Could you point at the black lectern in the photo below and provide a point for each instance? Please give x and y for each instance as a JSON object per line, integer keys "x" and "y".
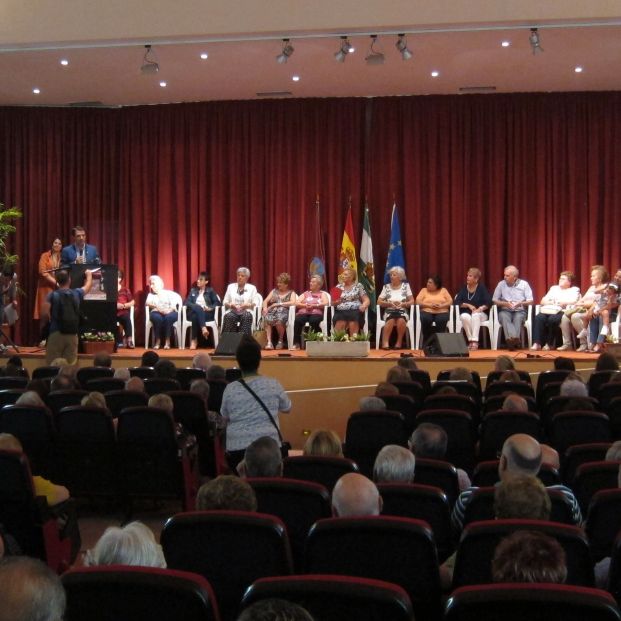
{"x": 98, "y": 309}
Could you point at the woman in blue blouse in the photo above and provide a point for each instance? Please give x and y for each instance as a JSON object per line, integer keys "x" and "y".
{"x": 201, "y": 304}
{"x": 474, "y": 300}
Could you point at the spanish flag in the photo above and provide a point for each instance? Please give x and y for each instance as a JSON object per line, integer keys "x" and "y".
{"x": 347, "y": 258}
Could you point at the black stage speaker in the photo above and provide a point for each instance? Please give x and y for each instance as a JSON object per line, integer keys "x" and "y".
{"x": 228, "y": 343}
{"x": 446, "y": 344}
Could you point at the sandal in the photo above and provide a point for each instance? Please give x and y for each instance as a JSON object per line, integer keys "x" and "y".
{"x": 130, "y": 344}
{"x": 205, "y": 331}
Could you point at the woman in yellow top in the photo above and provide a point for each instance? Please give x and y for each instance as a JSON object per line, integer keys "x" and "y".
{"x": 434, "y": 301}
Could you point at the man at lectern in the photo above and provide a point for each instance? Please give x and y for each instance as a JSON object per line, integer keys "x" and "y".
{"x": 79, "y": 251}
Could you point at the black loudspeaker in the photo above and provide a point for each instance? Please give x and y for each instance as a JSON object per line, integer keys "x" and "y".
{"x": 228, "y": 343}
{"x": 446, "y": 344}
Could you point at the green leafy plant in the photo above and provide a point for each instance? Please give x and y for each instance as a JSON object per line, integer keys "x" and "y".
{"x": 8, "y": 215}
{"x": 337, "y": 336}
{"x": 98, "y": 336}
{"x": 362, "y": 336}
{"x": 314, "y": 336}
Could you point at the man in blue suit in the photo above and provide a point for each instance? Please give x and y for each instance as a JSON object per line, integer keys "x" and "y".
{"x": 79, "y": 251}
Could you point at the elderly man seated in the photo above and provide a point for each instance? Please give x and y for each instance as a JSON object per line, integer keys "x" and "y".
{"x": 394, "y": 464}
{"x": 512, "y": 295}
{"x": 355, "y": 496}
{"x": 262, "y": 458}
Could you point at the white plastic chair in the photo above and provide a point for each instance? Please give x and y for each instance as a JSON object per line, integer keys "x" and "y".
{"x": 489, "y": 324}
{"x": 131, "y": 320}
{"x": 177, "y": 326}
{"x": 323, "y": 324}
{"x": 528, "y": 324}
{"x": 450, "y": 326}
{"x": 380, "y": 323}
{"x": 214, "y": 325}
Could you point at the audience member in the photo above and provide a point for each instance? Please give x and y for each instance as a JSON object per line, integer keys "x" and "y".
{"x": 430, "y": 441}
{"x": 165, "y": 369}
{"x": 573, "y": 387}
{"x": 550, "y": 457}
{"x": 102, "y": 359}
{"x": 30, "y": 397}
{"x": 59, "y": 362}
{"x": 201, "y": 388}
{"x": 323, "y": 443}
{"x": 122, "y": 373}
{"x": 163, "y": 402}
{"x": 398, "y": 374}
{"x": 564, "y": 364}
{"x": 201, "y": 361}
{"x": 514, "y": 403}
{"x": 522, "y": 497}
{"x": 370, "y": 404}
{"x": 41, "y": 387}
{"x": 355, "y": 496}
{"x": 61, "y": 382}
{"x": 149, "y": 358}
{"x": 226, "y": 493}
{"x": 216, "y": 373}
{"x": 605, "y": 362}
{"x": 386, "y": 389}
{"x": 135, "y": 383}
{"x": 94, "y": 399}
{"x": 30, "y": 591}
{"x": 460, "y": 374}
{"x": 504, "y": 363}
{"x": 132, "y": 544}
{"x": 614, "y": 452}
{"x": 521, "y": 455}
{"x": 529, "y": 556}
{"x": 262, "y": 458}
{"x": 394, "y": 464}
{"x": 274, "y": 610}
{"x": 407, "y": 362}
{"x": 446, "y": 390}
{"x": 510, "y": 375}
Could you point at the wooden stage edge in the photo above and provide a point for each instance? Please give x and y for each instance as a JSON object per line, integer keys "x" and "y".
{"x": 325, "y": 391}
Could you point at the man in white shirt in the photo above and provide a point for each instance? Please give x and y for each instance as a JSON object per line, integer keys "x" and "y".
{"x": 512, "y": 295}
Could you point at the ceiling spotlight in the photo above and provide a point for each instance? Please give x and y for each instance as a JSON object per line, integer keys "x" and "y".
{"x": 296, "y": 78}
{"x": 374, "y": 57}
{"x": 36, "y": 91}
{"x": 204, "y": 55}
{"x": 346, "y": 48}
{"x": 578, "y": 69}
{"x": 64, "y": 62}
{"x": 435, "y": 74}
{"x": 149, "y": 66}
{"x": 287, "y": 50}
{"x": 535, "y": 41}
{"x": 402, "y": 46}
{"x": 506, "y": 43}
{"x": 163, "y": 84}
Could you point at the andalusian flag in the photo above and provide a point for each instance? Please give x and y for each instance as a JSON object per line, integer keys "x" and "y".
{"x": 395, "y": 249}
{"x": 347, "y": 258}
{"x": 366, "y": 269}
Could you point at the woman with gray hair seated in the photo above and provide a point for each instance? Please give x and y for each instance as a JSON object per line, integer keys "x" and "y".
{"x": 133, "y": 544}
{"x": 396, "y": 299}
{"x": 238, "y": 302}
{"x": 309, "y": 305}
{"x": 474, "y": 300}
{"x": 162, "y": 305}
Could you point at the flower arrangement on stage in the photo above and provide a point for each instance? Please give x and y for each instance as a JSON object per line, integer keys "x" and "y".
{"x": 337, "y": 336}
{"x": 98, "y": 337}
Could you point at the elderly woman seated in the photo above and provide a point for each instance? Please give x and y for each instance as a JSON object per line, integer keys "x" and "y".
{"x": 351, "y": 305}
{"x": 276, "y": 310}
{"x": 434, "y": 301}
{"x": 162, "y": 305}
{"x": 239, "y": 301}
{"x": 396, "y": 299}
{"x": 474, "y": 301}
{"x": 310, "y": 306}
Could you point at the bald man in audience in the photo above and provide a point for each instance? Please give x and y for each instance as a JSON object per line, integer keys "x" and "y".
{"x": 521, "y": 455}
{"x": 514, "y": 403}
{"x": 355, "y": 496}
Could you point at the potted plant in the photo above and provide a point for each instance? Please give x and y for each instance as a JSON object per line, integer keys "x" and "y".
{"x": 92, "y": 342}
{"x": 338, "y": 345}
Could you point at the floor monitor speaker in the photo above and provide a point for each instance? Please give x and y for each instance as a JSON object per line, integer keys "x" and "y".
{"x": 446, "y": 344}
{"x": 228, "y": 343}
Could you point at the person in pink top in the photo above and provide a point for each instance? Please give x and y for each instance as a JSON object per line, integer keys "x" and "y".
{"x": 309, "y": 305}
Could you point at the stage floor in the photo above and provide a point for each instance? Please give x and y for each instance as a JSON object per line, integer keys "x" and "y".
{"x": 325, "y": 391}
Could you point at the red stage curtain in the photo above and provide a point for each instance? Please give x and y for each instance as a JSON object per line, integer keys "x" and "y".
{"x": 530, "y": 179}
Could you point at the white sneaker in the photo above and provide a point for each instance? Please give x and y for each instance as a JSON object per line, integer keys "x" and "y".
{"x": 535, "y": 347}
{"x": 546, "y": 347}
{"x": 583, "y": 347}
{"x": 565, "y": 347}
{"x": 582, "y": 334}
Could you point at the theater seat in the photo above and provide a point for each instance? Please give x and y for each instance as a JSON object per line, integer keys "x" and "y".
{"x": 532, "y": 602}
{"x": 123, "y": 593}
{"x": 336, "y": 598}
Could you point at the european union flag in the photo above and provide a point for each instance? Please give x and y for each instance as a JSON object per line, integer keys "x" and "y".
{"x": 395, "y": 249}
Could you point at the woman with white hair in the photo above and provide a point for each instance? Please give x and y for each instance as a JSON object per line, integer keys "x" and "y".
{"x": 238, "y": 302}
{"x": 133, "y": 544}
{"x": 474, "y": 300}
{"x": 162, "y": 305}
{"x": 396, "y": 299}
